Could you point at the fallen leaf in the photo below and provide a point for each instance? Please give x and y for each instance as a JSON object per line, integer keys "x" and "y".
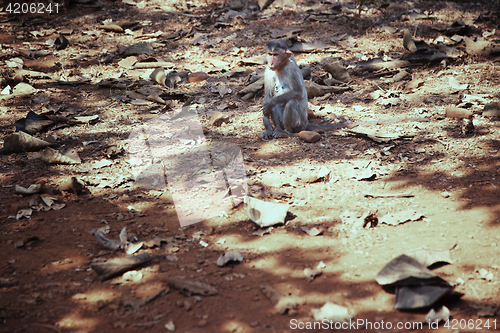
{"x": 455, "y": 85}
{"x": 228, "y": 257}
{"x": 33, "y": 188}
{"x": 101, "y": 164}
{"x": 191, "y": 287}
{"x": 331, "y": 311}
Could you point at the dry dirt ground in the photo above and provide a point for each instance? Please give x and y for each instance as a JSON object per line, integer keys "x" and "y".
{"x": 439, "y": 174}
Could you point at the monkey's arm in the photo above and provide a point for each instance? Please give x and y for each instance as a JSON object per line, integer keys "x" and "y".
{"x": 295, "y": 88}
{"x": 289, "y": 95}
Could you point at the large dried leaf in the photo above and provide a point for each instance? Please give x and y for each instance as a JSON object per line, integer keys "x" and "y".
{"x": 429, "y": 257}
{"x": 115, "y": 267}
{"x": 191, "y": 287}
{"x": 416, "y": 297}
{"x": 52, "y": 156}
{"x": 19, "y": 142}
{"x": 404, "y": 270}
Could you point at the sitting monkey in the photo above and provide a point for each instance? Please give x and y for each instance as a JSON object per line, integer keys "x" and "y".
{"x": 285, "y": 95}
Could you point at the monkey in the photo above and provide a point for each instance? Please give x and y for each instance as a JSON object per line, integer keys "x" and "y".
{"x": 285, "y": 95}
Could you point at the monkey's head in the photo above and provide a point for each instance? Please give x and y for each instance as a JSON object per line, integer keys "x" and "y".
{"x": 277, "y": 55}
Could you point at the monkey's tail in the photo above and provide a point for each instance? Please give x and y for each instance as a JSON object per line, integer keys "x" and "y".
{"x": 330, "y": 127}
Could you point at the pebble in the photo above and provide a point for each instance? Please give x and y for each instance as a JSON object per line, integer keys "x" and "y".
{"x": 419, "y": 150}
{"x": 100, "y": 304}
{"x": 218, "y": 118}
{"x": 197, "y": 77}
{"x": 309, "y": 136}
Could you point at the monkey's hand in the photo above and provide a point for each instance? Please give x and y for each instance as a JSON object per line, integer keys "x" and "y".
{"x": 266, "y": 135}
{"x": 275, "y": 134}
{"x": 267, "y": 109}
{"x": 280, "y": 134}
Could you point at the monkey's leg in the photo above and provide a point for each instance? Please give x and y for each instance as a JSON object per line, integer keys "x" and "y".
{"x": 269, "y": 129}
{"x": 277, "y": 116}
{"x": 277, "y": 130}
{"x": 295, "y": 117}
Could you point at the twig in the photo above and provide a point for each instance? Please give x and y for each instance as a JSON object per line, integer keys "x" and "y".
{"x": 149, "y": 323}
{"x": 183, "y": 14}
{"x": 50, "y": 327}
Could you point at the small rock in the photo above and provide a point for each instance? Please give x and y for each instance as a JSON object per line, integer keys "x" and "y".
{"x": 23, "y": 89}
{"x": 263, "y": 4}
{"x": 187, "y": 305}
{"x": 202, "y": 323}
{"x": 236, "y": 5}
{"x": 112, "y": 27}
{"x": 287, "y": 303}
{"x": 468, "y": 126}
{"x": 197, "y": 77}
{"x": 415, "y": 84}
{"x": 24, "y": 213}
{"x": 170, "y": 325}
{"x": 128, "y": 62}
{"x": 136, "y": 49}
{"x": 33, "y": 188}
{"x": 338, "y": 71}
{"x": 445, "y": 194}
{"x": 66, "y": 31}
{"x": 485, "y": 275}
{"x": 309, "y": 136}
{"x": 229, "y": 256}
{"x": 483, "y": 131}
{"x": 454, "y": 112}
{"x": 488, "y": 310}
{"x": 312, "y": 232}
{"x": 172, "y": 249}
{"x": 218, "y": 118}
{"x": 408, "y": 42}
{"x": 492, "y": 110}
{"x": 311, "y": 273}
{"x": 100, "y": 304}
{"x": 331, "y": 311}
{"x": 308, "y": 177}
{"x": 119, "y": 324}
{"x": 72, "y": 185}
{"x": 265, "y": 214}
{"x": 442, "y": 314}
{"x": 419, "y": 150}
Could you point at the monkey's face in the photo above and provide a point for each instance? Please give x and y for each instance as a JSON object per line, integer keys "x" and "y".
{"x": 277, "y": 58}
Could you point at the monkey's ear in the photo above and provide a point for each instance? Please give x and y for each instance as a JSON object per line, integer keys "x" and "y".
{"x": 288, "y": 53}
